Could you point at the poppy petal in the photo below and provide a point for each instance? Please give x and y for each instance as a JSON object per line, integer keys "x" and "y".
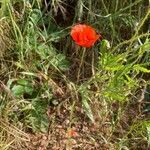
{"x": 84, "y": 35}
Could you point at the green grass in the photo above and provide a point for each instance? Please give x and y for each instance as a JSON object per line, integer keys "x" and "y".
{"x": 41, "y": 69}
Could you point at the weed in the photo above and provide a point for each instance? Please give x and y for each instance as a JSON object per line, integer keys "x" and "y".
{"x": 48, "y": 82}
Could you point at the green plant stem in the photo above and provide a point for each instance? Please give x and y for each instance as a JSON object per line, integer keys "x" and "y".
{"x": 81, "y": 63}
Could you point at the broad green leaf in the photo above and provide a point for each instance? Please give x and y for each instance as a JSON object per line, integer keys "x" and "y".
{"x": 21, "y": 87}
{"x": 28, "y": 89}
{"x": 23, "y": 82}
{"x": 18, "y": 90}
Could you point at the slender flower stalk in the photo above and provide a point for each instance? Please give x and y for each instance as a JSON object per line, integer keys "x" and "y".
{"x": 81, "y": 63}
{"x": 85, "y": 36}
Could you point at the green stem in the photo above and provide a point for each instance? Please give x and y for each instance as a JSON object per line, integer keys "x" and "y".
{"x": 81, "y": 63}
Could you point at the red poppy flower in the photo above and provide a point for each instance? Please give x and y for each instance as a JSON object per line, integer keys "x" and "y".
{"x": 84, "y": 35}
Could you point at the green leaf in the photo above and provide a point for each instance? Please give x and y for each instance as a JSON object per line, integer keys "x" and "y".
{"x": 139, "y": 67}
{"x": 21, "y": 87}
{"x": 46, "y": 51}
{"x": 23, "y": 82}
{"x": 56, "y": 36}
{"x": 28, "y": 89}
{"x": 39, "y": 122}
{"x": 148, "y": 134}
{"x": 85, "y": 102}
{"x": 37, "y": 118}
{"x": 59, "y": 61}
{"x": 10, "y": 82}
{"x": 105, "y": 45}
{"x": 115, "y": 96}
{"x": 111, "y": 62}
{"x": 87, "y": 108}
{"x": 18, "y": 90}
{"x": 35, "y": 16}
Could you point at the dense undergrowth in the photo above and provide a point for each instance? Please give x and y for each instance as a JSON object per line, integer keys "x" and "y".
{"x": 42, "y": 69}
